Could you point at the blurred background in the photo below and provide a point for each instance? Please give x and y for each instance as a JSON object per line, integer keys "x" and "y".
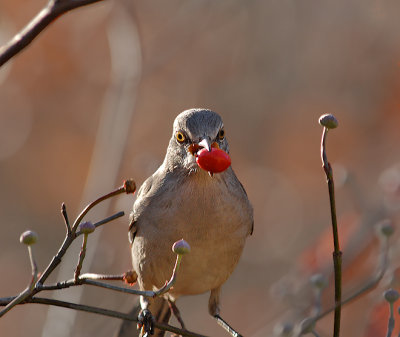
{"x": 91, "y": 102}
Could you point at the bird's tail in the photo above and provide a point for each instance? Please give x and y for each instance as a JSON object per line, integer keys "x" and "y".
{"x": 160, "y": 310}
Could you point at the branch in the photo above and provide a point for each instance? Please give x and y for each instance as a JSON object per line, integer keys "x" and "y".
{"x": 65, "y": 217}
{"x": 28, "y": 238}
{"x": 48, "y": 14}
{"x": 99, "y": 311}
{"x": 329, "y": 122}
{"x": 91, "y": 279}
{"x": 104, "y": 221}
{"x": 371, "y": 284}
{"x": 35, "y": 286}
{"x": 127, "y": 187}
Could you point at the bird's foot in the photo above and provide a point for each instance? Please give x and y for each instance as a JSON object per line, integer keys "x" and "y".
{"x": 145, "y": 323}
{"x": 226, "y": 326}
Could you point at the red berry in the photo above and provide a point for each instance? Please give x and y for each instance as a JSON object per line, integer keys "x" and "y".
{"x": 214, "y": 161}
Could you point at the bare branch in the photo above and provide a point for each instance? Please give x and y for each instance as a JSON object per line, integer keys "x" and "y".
{"x": 100, "y": 311}
{"x": 370, "y": 285}
{"x": 82, "y": 254}
{"x": 29, "y": 289}
{"x": 104, "y": 221}
{"x": 65, "y": 217}
{"x": 35, "y": 286}
{"x": 119, "y": 190}
{"x": 328, "y": 121}
{"x": 87, "y": 279}
{"x": 48, "y": 14}
{"x": 70, "y": 237}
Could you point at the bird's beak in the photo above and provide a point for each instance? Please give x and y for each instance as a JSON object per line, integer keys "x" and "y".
{"x": 206, "y": 143}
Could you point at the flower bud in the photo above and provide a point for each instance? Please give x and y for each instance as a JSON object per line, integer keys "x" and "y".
{"x": 28, "y": 238}
{"x": 87, "y": 227}
{"x": 391, "y": 295}
{"x": 130, "y": 186}
{"x": 329, "y": 121}
{"x": 181, "y": 247}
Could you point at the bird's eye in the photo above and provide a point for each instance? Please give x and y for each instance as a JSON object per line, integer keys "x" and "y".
{"x": 180, "y": 137}
{"x": 221, "y": 134}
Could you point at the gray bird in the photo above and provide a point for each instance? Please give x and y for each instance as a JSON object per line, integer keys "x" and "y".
{"x": 181, "y": 200}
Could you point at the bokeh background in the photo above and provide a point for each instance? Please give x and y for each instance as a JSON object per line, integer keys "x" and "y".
{"x": 91, "y": 102}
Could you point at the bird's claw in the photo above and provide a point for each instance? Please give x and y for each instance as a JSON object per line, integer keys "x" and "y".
{"x": 146, "y": 323}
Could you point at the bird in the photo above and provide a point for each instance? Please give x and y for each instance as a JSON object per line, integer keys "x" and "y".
{"x": 211, "y": 212}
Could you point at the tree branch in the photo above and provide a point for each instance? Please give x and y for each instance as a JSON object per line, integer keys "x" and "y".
{"x": 329, "y": 122}
{"x": 48, "y": 14}
{"x": 99, "y": 311}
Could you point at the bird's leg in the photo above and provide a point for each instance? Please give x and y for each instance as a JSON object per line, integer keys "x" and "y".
{"x": 213, "y": 308}
{"x": 226, "y": 326}
{"x": 145, "y": 319}
{"x": 146, "y": 323}
{"x": 176, "y": 313}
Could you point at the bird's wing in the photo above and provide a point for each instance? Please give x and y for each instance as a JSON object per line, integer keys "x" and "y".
{"x": 251, "y": 229}
{"x": 145, "y": 192}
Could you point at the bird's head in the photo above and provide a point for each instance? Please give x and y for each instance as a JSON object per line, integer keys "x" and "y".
{"x": 194, "y": 130}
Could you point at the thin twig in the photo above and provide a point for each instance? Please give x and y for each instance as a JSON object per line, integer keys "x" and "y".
{"x": 369, "y": 285}
{"x": 65, "y": 217}
{"x": 329, "y": 121}
{"x": 70, "y": 237}
{"x": 104, "y": 221}
{"x": 100, "y": 311}
{"x": 35, "y": 286}
{"x": 146, "y": 293}
{"x": 168, "y": 285}
{"x": 110, "y": 313}
{"x": 78, "y": 220}
{"x": 28, "y": 290}
{"x": 390, "y": 322}
{"x": 82, "y": 254}
{"x": 84, "y": 279}
{"x": 48, "y": 14}
{"x": 103, "y": 277}
{"x": 92, "y": 279}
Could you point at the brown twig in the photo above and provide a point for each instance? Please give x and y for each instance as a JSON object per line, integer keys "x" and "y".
{"x": 65, "y": 217}
{"x": 29, "y": 289}
{"x": 119, "y": 190}
{"x": 100, "y": 311}
{"x": 103, "y": 222}
{"x": 48, "y": 14}
{"x": 82, "y": 255}
{"x": 329, "y": 122}
{"x": 370, "y": 285}
{"x": 91, "y": 279}
{"x": 70, "y": 237}
{"x": 35, "y": 286}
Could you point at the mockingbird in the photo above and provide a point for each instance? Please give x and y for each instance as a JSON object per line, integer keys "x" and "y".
{"x": 181, "y": 200}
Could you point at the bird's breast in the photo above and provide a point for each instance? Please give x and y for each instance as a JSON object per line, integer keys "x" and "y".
{"x": 211, "y": 215}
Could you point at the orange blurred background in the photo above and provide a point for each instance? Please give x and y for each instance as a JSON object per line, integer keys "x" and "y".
{"x": 91, "y": 102}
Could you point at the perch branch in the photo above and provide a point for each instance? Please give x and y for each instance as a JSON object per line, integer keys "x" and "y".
{"x": 100, "y": 311}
